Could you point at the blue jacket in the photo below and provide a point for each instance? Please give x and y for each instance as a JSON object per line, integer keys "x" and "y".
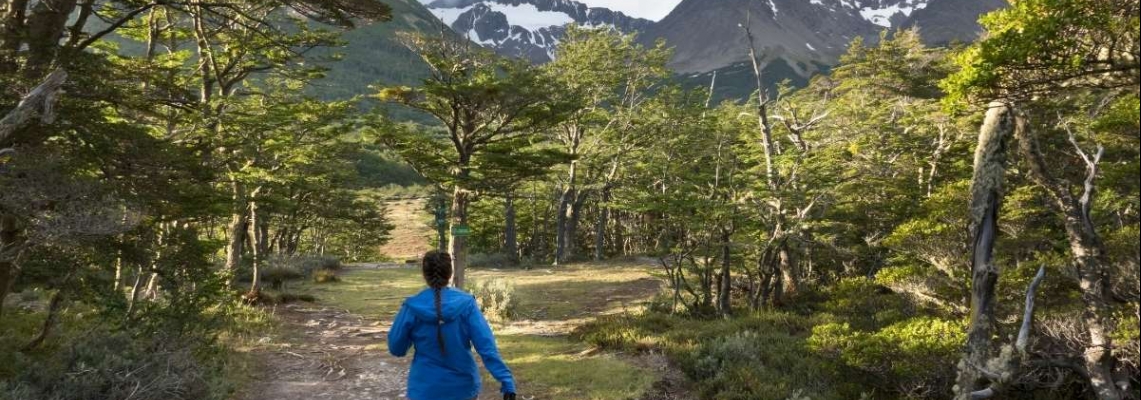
{"x": 454, "y": 376}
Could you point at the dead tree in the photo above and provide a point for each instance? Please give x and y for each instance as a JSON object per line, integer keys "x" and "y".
{"x": 1008, "y": 363}
{"x": 986, "y": 202}
{"x": 1088, "y": 253}
{"x": 37, "y": 104}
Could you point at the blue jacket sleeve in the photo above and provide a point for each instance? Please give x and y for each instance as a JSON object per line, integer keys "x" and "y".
{"x": 484, "y": 343}
{"x": 400, "y": 336}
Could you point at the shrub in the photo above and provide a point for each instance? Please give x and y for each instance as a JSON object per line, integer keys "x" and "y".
{"x": 277, "y": 275}
{"x": 497, "y": 260}
{"x": 915, "y": 357}
{"x": 496, "y": 299}
{"x": 115, "y": 365}
{"x": 325, "y": 276}
{"x": 866, "y": 305}
{"x": 758, "y": 366}
{"x": 309, "y": 264}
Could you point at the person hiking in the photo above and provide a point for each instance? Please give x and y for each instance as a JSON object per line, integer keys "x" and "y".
{"x": 444, "y": 324}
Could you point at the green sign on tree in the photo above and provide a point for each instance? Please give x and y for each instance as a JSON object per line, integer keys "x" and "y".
{"x": 461, "y": 230}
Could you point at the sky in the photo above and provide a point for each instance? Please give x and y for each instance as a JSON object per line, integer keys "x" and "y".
{"x": 648, "y": 9}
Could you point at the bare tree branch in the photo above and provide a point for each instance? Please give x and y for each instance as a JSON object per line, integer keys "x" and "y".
{"x": 39, "y": 103}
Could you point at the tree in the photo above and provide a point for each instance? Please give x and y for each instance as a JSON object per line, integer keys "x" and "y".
{"x": 1054, "y": 47}
{"x": 491, "y": 108}
{"x": 609, "y": 77}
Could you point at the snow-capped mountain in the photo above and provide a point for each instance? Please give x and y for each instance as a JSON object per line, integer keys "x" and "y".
{"x": 806, "y": 34}
{"x": 526, "y": 28}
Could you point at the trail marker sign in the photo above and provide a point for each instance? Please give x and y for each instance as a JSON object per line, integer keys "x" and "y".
{"x": 461, "y": 230}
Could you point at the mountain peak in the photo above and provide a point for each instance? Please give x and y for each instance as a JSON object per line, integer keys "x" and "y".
{"x": 530, "y": 29}
{"x": 707, "y": 35}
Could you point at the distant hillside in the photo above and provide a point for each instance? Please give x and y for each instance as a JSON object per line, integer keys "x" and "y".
{"x": 736, "y": 82}
{"x": 373, "y": 56}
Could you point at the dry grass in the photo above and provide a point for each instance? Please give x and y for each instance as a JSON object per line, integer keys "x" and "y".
{"x": 410, "y": 238}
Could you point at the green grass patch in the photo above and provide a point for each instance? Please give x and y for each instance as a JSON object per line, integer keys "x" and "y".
{"x": 553, "y": 368}
{"x": 372, "y": 293}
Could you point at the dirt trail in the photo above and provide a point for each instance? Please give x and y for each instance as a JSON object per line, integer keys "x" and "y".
{"x": 325, "y": 352}
{"x": 329, "y": 354}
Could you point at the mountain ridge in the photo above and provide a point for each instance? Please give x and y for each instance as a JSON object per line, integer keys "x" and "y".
{"x": 529, "y": 29}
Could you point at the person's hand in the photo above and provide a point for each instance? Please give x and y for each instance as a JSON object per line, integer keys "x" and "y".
{"x": 509, "y": 396}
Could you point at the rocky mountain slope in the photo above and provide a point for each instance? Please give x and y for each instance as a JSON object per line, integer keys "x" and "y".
{"x": 803, "y": 33}
{"x": 526, "y": 28}
{"x": 798, "y": 38}
{"x": 944, "y": 22}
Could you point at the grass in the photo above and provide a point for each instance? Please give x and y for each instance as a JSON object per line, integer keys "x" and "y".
{"x": 551, "y": 302}
{"x": 374, "y": 293}
{"x": 554, "y": 368}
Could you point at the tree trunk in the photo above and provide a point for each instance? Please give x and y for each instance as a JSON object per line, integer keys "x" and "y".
{"x": 564, "y": 231}
{"x": 1089, "y": 255}
{"x": 12, "y": 24}
{"x": 510, "y": 232}
{"x": 600, "y": 226}
{"x": 9, "y": 240}
{"x": 45, "y": 28}
{"x": 562, "y": 222}
{"x": 152, "y": 287}
{"x": 986, "y": 202}
{"x": 237, "y": 231}
{"x": 788, "y": 270}
{"x": 458, "y": 244}
{"x": 573, "y": 218}
{"x": 725, "y": 287}
{"x": 257, "y": 248}
{"x": 762, "y": 110}
{"x": 135, "y": 292}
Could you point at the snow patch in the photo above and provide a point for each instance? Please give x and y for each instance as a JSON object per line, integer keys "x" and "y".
{"x": 529, "y": 17}
{"x": 524, "y": 15}
{"x": 449, "y": 15}
{"x": 809, "y": 46}
{"x": 882, "y": 16}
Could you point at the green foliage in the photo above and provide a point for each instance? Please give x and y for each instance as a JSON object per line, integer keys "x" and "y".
{"x": 752, "y": 365}
{"x": 491, "y": 145}
{"x": 1037, "y": 46}
{"x": 757, "y": 356}
{"x": 865, "y": 304}
{"x": 915, "y": 357}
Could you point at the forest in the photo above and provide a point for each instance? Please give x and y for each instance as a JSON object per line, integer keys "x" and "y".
{"x": 919, "y": 222}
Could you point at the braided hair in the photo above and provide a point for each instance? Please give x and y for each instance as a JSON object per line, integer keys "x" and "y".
{"x": 437, "y": 269}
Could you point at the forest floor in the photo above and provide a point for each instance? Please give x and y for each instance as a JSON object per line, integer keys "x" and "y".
{"x": 335, "y": 348}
